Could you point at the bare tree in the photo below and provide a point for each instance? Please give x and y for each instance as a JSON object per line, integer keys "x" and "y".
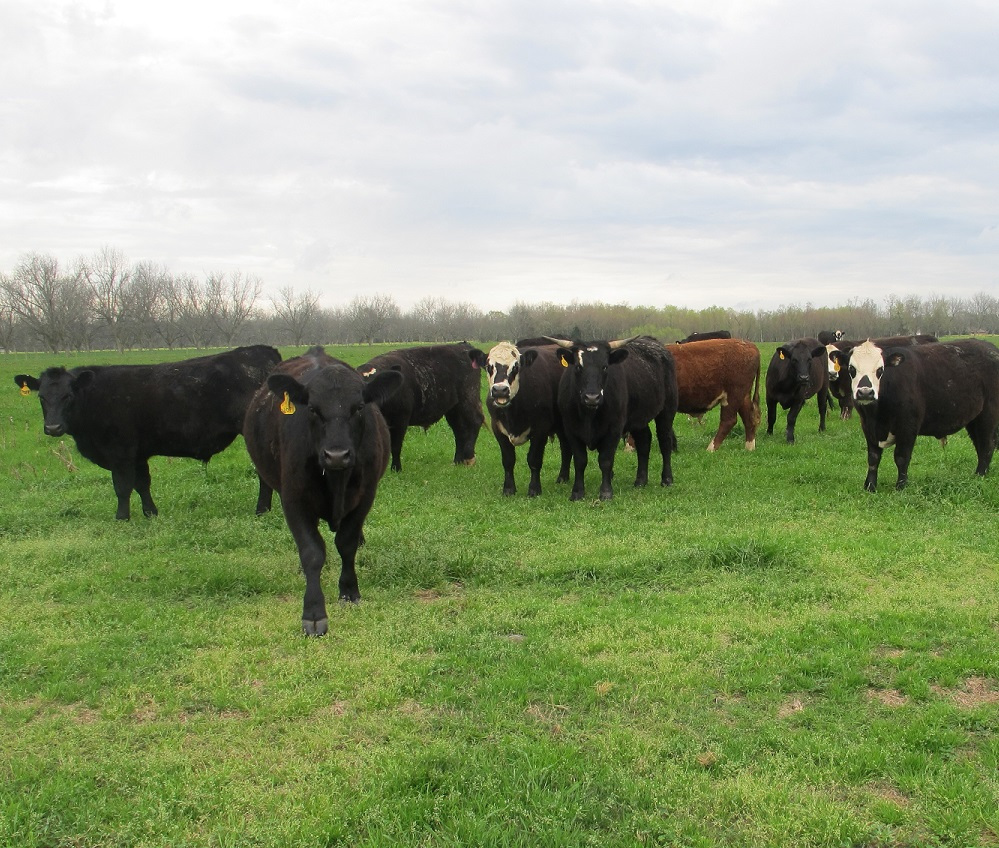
{"x": 108, "y": 275}
{"x": 168, "y": 316}
{"x": 296, "y": 314}
{"x": 230, "y": 302}
{"x": 371, "y": 317}
{"x": 53, "y": 307}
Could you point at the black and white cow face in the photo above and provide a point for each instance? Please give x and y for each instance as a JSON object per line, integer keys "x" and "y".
{"x": 835, "y": 369}
{"x": 866, "y": 366}
{"x": 504, "y": 364}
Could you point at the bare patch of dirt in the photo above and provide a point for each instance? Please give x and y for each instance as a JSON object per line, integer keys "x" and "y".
{"x": 888, "y": 697}
{"x": 975, "y": 692}
{"x": 790, "y": 707}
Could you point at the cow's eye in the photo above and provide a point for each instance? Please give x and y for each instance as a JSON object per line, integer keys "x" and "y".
{"x": 879, "y": 372}
{"x": 356, "y": 409}
{"x": 490, "y": 369}
{"x": 853, "y": 371}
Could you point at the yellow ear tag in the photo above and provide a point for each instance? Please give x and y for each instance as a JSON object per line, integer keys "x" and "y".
{"x": 25, "y": 390}
{"x": 782, "y": 354}
{"x": 564, "y": 361}
{"x": 287, "y": 407}
{"x": 836, "y": 365}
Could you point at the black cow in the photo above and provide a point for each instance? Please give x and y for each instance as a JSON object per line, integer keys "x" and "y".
{"x": 797, "y": 371}
{"x": 440, "y": 382}
{"x": 120, "y": 415}
{"x": 522, "y": 399}
{"x": 608, "y": 389}
{"x": 924, "y": 390}
{"x": 702, "y": 337}
{"x": 839, "y": 385}
{"x": 316, "y": 435}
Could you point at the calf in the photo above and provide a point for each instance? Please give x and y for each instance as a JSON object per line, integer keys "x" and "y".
{"x": 120, "y": 415}
{"x": 797, "y": 371}
{"x": 923, "y": 390}
{"x": 610, "y": 388}
{"x": 316, "y": 435}
{"x": 839, "y": 384}
{"x": 440, "y": 382}
{"x": 720, "y": 371}
{"x": 522, "y": 400}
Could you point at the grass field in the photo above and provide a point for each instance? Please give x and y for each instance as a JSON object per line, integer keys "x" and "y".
{"x": 762, "y": 655}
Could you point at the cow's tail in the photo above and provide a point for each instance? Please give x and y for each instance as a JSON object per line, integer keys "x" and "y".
{"x": 756, "y": 392}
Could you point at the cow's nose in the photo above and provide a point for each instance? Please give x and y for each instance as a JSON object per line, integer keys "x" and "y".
{"x": 501, "y": 391}
{"x": 865, "y": 393}
{"x": 591, "y": 398}
{"x": 336, "y": 459}
{"x": 54, "y": 429}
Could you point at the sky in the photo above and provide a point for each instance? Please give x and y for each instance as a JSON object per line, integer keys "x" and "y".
{"x": 738, "y": 153}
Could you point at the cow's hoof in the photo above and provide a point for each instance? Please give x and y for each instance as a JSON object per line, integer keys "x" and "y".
{"x": 350, "y": 597}
{"x": 468, "y": 462}
{"x": 315, "y": 628}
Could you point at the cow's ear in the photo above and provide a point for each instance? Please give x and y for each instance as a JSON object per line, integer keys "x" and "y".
{"x": 281, "y": 384}
{"x": 838, "y": 358}
{"x": 381, "y": 385}
{"x": 478, "y": 358}
{"x": 618, "y": 355}
{"x": 895, "y": 358}
{"x": 82, "y": 380}
{"x": 783, "y": 352}
{"x": 565, "y": 357}
{"x": 819, "y": 351}
{"x": 26, "y": 381}
{"x": 528, "y": 356}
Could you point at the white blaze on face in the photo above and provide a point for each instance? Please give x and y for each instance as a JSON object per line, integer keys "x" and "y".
{"x": 503, "y": 373}
{"x": 867, "y": 364}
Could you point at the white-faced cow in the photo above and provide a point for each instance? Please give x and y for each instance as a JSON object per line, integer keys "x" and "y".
{"x": 720, "y": 371}
{"x": 797, "y": 371}
{"x": 522, "y": 400}
{"x": 120, "y": 415}
{"x": 316, "y": 435}
{"x": 839, "y": 383}
{"x": 441, "y": 382}
{"x": 610, "y": 388}
{"x": 924, "y": 390}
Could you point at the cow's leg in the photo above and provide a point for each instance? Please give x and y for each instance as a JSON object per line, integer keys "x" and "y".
{"x": 312, "y": 556}
{"x": 983, "y": 437}
{"x": 465, "y": 424}
{"x": 666, "y": 438}
{"x": 726, "y": 421}
{"x": 347, "y": 539}
{"x": 643, "y": 447}
{"x": 397, "y": 433}
{"x": 823, "y": 405}
{"x": 904, "y": 443}
{"x": 750, "y": 416}
{"x": 508, "y": 456}
{"x": 771, "y": 416}
{"x": 142, "y": 484}
{"x": 265, "y": 495}
{"x": 792, "y": 418}
{"x": 607, "y": 450}
{"x": 123, "y": 480}
{"x": 579, "y": 460}
{"x": 535, "y": 459}
{"x": 874, "y": 451}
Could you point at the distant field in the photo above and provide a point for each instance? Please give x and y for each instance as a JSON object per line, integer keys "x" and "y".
{"x": 762, "y": 655}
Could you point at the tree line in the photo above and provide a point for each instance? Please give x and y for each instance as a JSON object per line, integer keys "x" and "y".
{"x": 104, "y": 301}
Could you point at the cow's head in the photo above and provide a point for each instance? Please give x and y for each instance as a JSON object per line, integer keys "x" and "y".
{"x": 835, "y": 369}
{"x": 335, "y": 400}
{"x": 798, "y": 358}
{"x": 58, "y": 391}
{"x": 503, "y": 365}
{"x": 590, "y": 362}
{"x": 866, "y": 365}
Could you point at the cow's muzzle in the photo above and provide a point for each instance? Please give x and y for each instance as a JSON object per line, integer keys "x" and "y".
{"x": 337, "y": 459}
{"x": 500, "y": 395}
{"x": 865, "y": 394}
{"x": 55, "y": 430}
{"x": 591, "y": 400}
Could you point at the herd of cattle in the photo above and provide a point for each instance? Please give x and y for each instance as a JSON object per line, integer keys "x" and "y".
{"x": 322, "y": 433}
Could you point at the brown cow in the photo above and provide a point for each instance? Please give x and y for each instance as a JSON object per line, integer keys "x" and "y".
{"x": 720, "y": 371}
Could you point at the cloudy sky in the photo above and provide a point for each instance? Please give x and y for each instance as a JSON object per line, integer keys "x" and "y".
{"x": 739, "y": 153}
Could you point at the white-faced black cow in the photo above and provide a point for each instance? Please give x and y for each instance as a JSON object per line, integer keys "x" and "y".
{"x": 316, "y": 435}
{"x": 441, "y": 382}
{"x": 120, "y": 415}
{"x": 797, "y": 371}
{"x": 608, "y": 389}
{"x": 924, "y": 390}
{"x": 522, "y": 399}
{"x": 839, "y": 384}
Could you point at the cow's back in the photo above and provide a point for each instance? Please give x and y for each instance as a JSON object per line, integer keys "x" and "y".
{"x": 714, "y": 371}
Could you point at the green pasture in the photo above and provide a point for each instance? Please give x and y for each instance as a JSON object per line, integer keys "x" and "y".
{"x": 761, "y": 655}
